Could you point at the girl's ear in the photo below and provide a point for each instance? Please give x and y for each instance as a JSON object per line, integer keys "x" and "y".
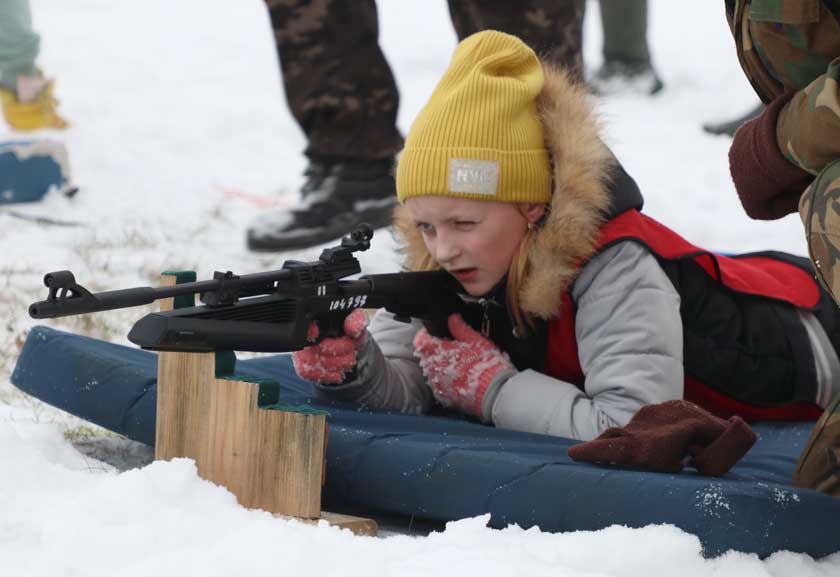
{"x": 533, "y": 212}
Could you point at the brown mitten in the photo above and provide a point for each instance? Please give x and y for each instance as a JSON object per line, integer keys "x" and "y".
{"x": 663, "y": 437}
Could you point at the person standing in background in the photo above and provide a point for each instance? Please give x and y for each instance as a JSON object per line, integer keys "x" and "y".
{"x": 26, "y": 94}
{"x": 627, "y": 63}
{"x": 342, "y": 93}
{"x": 788, "y": 157}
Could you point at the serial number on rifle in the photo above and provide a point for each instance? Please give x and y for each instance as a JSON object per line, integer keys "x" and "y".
{"x": 348, "y": 303}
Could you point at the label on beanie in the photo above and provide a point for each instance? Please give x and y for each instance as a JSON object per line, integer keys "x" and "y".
{"x": 473, "y": 176}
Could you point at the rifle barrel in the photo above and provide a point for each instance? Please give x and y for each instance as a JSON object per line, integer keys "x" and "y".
{"x": 80, "y": 301}
{"x": 92, "y": 303}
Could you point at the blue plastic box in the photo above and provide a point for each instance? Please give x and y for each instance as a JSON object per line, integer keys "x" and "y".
{"x": 29, "y": 169}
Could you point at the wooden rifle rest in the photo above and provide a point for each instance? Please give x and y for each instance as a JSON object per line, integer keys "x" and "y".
{"x": 269, "y": 459}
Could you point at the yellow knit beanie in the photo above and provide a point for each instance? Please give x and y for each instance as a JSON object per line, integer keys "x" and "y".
{"x": 479, "y": 135}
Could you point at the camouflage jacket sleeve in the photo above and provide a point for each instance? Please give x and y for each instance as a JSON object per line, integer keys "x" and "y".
{"x": 808, "y": 127}
{"x": 794, "y": 46}
{"x": 768, "y": 186}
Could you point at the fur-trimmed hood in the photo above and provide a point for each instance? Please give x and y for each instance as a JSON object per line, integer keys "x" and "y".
{"x": 583, "y": 168}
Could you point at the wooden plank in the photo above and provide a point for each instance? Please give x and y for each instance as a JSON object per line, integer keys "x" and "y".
{"x": 181, "y": 402}
{"x": 168, "y": 303}
{"x": 361, "y": 526}
{"x": 270, "y": 459}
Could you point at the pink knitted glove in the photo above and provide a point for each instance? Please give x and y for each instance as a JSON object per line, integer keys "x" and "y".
{"x": 332, "y": 358}
{"x": 460, "y": 370}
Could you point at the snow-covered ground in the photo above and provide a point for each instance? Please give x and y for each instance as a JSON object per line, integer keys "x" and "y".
{"x": 180, "y": 131}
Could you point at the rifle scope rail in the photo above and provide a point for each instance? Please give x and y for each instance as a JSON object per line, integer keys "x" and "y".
{"x": 67, "y": 297}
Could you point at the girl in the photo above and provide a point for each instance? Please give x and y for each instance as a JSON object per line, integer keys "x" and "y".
{"x": 590, "y": 309}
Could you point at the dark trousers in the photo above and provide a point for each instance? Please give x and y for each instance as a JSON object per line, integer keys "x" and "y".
{"x": 625, "y": 31}
{"x": 340, "y": 88}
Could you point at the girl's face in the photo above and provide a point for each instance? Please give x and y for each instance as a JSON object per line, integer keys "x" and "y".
{"x": 474, "y": 240}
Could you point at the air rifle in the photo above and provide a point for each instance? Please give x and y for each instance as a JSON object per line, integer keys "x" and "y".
{"x": 268, "y": 311}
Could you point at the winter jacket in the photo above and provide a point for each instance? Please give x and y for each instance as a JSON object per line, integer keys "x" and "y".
{"x": 613, "y": 297}
{"x": 639, "y": 362}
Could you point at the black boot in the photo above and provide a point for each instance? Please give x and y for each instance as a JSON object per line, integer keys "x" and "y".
{"x": 729, "y": 127}
{"x": 337, "y": 197}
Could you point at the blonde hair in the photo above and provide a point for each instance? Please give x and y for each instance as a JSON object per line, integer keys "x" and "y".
{"x": 418, "y": 258}
{"x": 517, "y": 272}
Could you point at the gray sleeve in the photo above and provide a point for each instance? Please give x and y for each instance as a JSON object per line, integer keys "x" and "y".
{"x": 629, "y": 337}
{"x": 387, "y": 374}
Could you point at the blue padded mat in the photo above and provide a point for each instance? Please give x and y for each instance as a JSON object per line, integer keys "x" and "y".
{"x": 444, "y": 469}
{"x": 29, "y": 168}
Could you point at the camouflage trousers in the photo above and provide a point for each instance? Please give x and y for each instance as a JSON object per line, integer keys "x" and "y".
{"x": 819, "y": 209}
{"x": 819, "y": 464}
{"x": 340, "y": 88}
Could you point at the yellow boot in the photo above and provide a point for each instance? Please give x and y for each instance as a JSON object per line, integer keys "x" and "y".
{"x": 40, "y": 112}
